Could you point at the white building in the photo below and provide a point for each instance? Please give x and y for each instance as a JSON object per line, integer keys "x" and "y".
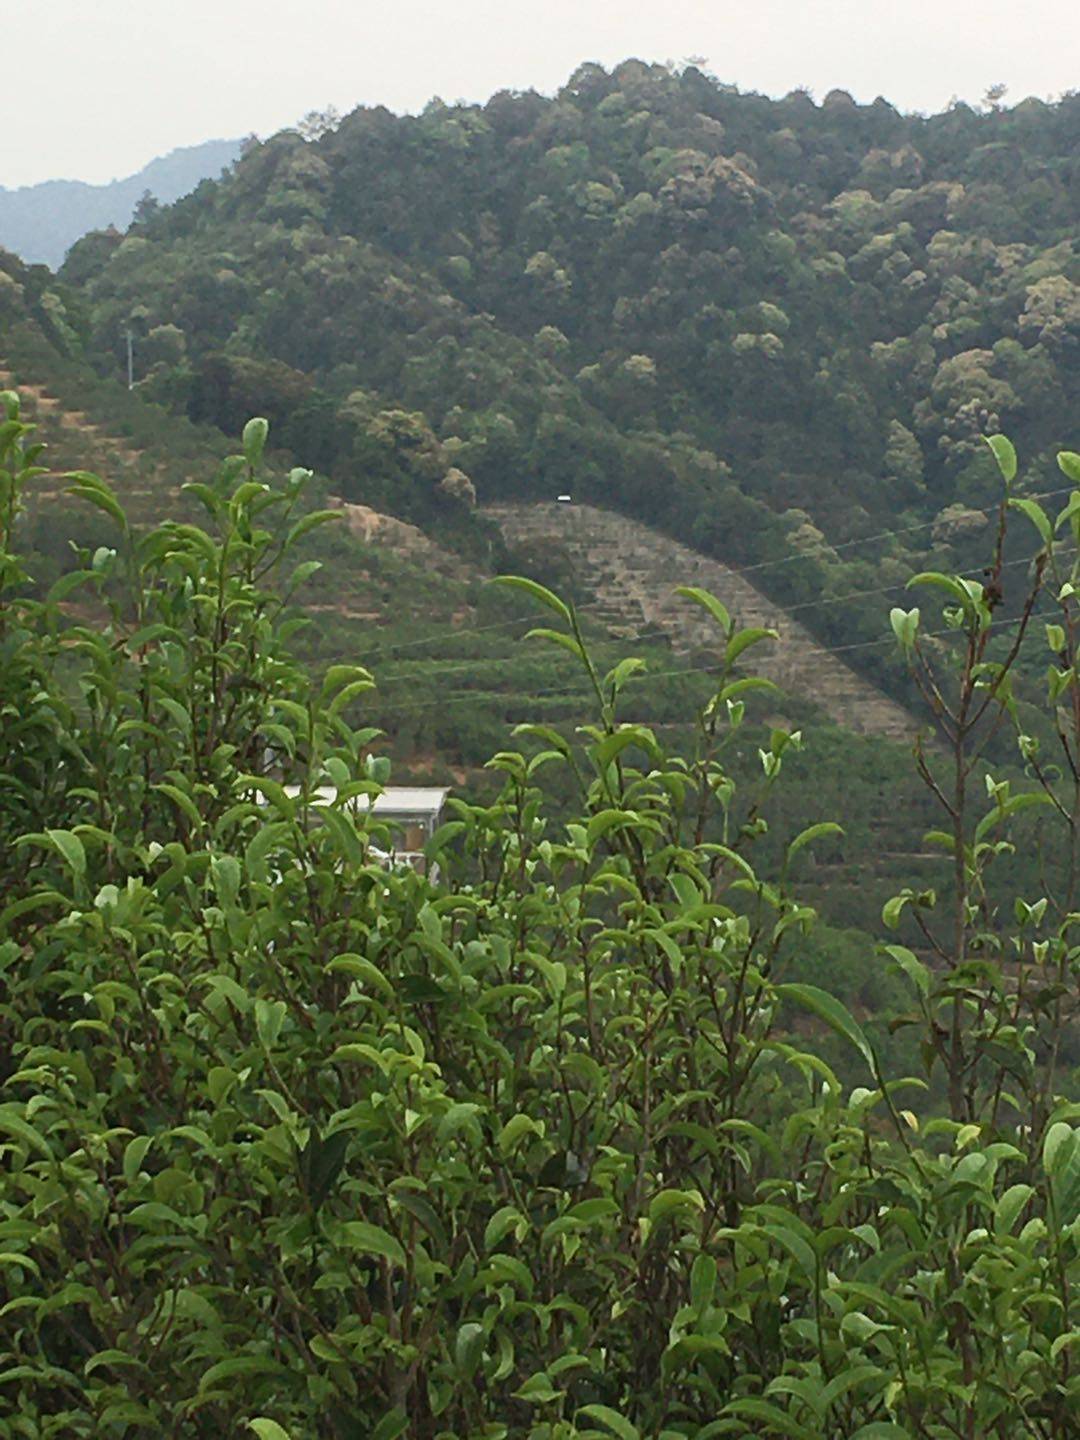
{"x": 413, "y": 813}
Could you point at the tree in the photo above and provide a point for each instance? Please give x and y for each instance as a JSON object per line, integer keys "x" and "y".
{"x": 317, "y": 123}
{"x": 995, "y": 95}
{"x": 146, "y": 207}
{"x": 904, "y": 462}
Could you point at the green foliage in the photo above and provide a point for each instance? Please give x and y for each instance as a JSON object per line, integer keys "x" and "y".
{"x": 297, "y": 1143}
{"x": 719, "y": 312}
{"x": 38, "y": 754}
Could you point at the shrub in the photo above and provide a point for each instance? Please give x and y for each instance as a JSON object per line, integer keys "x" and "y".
{"x": 298, "y": 1144}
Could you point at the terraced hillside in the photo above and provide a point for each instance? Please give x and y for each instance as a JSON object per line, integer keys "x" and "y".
{"x": 453, "y": 674}
{"x": 629, "y": 573}
{"x": 77, "y": 441}
{"x": 377, "y": 581}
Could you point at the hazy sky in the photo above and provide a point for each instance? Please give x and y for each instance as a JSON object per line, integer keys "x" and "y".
{"x": 93, "y": 89}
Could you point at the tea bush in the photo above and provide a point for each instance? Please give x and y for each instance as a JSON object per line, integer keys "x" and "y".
{"x": 296, "y": 1144}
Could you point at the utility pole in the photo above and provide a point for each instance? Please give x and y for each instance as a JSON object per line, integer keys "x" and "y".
{"x": 131, "y": 358}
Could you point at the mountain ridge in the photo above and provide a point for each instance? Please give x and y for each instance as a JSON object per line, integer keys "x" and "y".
{"x": 41, "y": 222}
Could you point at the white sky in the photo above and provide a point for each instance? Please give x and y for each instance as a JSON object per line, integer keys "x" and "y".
{"x": 93, "y": 89}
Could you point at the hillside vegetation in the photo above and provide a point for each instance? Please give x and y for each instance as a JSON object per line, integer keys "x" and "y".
{"x": 453, "y": 675}
{"x": 719, "y": 1078}
{"x": 774, "y": 328}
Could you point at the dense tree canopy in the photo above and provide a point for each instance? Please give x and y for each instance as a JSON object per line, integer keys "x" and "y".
{"x": 728, "y": 314}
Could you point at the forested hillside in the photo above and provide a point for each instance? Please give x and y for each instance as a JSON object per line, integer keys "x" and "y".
{"x": 775, "y": 328}
{"x": 446, "y": 646}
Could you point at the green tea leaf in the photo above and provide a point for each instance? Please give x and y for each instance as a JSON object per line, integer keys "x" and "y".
{"x": 371, "y": 1240}
{"x": 743, "y": 639}
{"x": 1037, "y": 516}
{"x": 708, "y": 602}
{"x": 70, "y": 847}
{"x": 615, "y": 1422}
{"x": 268, "y": 1429}
{"x": 829, "y": 1009}
{"x": 13, "y": 1122}
{"x": 537, "y": 592}
{"x": 237, "y": 1365}
{"x": 1004, "y": 454}
{"x": 254, "y": 439}
{"x": 812, "y": 833}
{"x": 269, "y": 1018}
{"x": 394, "y": 1423}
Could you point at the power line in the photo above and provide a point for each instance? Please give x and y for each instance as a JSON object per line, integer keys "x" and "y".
{"x": 458, "y": 696}
{"x": 902, "y": 530}
{"x": 461, "y": 631}
{"x": 649, "y": 634}
{"x": 392, "y": 650}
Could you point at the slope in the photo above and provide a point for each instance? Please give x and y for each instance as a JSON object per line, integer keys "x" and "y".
{"x": 364, "y": 584}
{"x": 453, "y": 673}
{"x": 768, "y": 328}
{"x": 631, "y": 571}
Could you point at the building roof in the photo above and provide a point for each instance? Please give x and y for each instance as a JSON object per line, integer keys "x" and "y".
{"x": 399, "y": 800}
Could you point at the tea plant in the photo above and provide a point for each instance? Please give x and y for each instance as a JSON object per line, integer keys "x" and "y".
{"x": 299, "y": 1145}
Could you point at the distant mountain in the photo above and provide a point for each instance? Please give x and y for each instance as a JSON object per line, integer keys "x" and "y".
{"x": 41, "y": 222}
